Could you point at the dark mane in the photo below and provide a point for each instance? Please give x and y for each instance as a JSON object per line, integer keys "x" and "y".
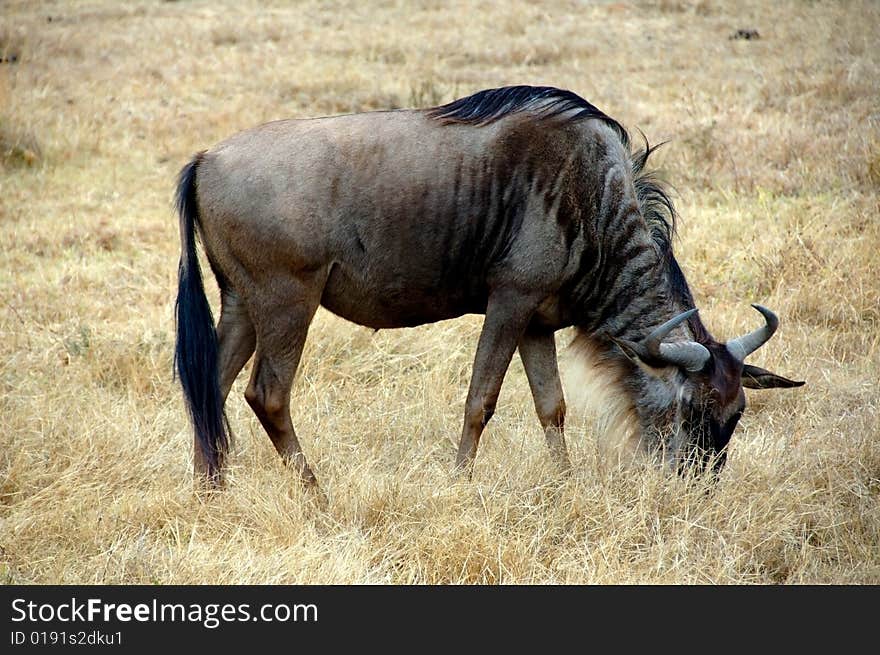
{"x": 654, "y": 202}
{"x": 660, "y": 215}
{"x": 485, "y": 107}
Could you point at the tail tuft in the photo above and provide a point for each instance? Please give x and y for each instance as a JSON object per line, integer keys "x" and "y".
{"x": 195, "y": 354}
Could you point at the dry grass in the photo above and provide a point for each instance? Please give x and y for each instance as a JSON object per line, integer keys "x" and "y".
{"x": 775, "y": 152}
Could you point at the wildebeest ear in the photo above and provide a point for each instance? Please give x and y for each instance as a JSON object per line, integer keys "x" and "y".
{"x": 755, "y": 377}
{"x": 634, "y": 354}
{"x": 628, "y": 348}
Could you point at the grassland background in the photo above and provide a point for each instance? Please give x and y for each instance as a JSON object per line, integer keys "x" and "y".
{"x": 775, "y": 155}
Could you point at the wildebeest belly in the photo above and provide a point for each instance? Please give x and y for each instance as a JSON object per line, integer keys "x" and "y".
{"x": 390, "y": 301}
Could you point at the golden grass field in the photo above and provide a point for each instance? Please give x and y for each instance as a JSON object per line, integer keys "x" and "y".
{"x": 774, "y": 153}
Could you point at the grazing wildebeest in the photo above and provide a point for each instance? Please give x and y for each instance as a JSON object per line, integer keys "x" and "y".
{"x": 520, "y": 203}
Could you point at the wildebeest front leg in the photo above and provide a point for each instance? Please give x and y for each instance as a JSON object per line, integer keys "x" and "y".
{"x": 537, "y": 348}
{"x": 505, "y": 321}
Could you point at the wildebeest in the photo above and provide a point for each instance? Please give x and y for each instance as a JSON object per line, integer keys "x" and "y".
{"x": 521, "y": 203}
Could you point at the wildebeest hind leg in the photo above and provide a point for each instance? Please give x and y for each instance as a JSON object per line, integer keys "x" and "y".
{"x": 537, "y": 348}
{"x": 237, "y": 337}
{"x": 282, "y": 319}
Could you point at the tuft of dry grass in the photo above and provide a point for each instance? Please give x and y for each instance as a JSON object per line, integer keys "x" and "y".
{"x": 776, "y": 163}
{"x": 18, "y": 147}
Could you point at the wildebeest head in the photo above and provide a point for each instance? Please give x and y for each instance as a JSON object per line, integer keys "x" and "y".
{"x": 693, "y": 395}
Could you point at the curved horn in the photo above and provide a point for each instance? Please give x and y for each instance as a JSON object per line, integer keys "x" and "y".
{"x": 690, "y": 355}
{"x": 744, "y": 346}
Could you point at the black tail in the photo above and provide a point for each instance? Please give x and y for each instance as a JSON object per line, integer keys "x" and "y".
{"x": 195, "y": 355}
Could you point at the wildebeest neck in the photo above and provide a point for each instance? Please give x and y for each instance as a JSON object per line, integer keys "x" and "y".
{"x": 622, "y": 288}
